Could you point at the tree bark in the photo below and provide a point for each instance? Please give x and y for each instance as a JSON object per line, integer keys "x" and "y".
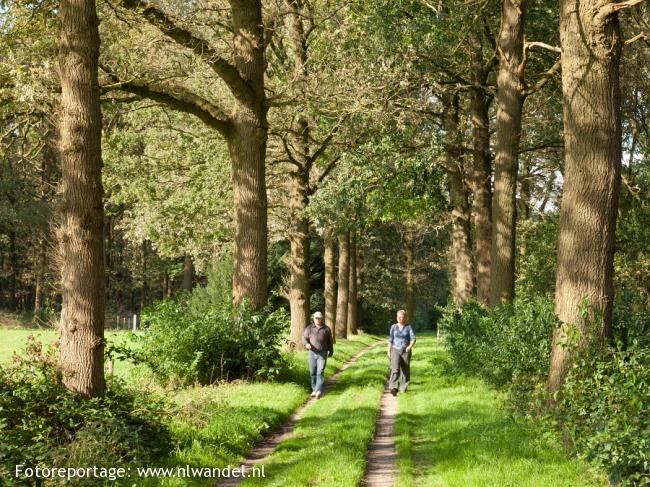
{"x": 591, "y": 50}
{"x": 481, "y": 182}
{"x": 352, "y": 289}
{"x": 330, "y": 281}
{"x": 41, "y": 263}
{"x": 188, "y": 273}
{"x": 144, "y": 290}
{"x": 409, "y": 278}
{"x": 81, "y": 245}
{"x": 480, "y": 102}
{"x": 463, "y": 284}
{"x": 360, "y": 283}
{"x": 300, "y": 269}
{"x": 13, "y": 276}
{"x": 344, "y": 285}
{"x": 510, "y": 101}
{"x": 247, "y": 146}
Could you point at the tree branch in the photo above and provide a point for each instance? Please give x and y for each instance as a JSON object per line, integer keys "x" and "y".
{"x": 610, "y": 8}
{"x": 544, "y": 79}
{"x": 226, "y": 71}
{"x": 324, "y": 174}
{"x": 531, "y": 44}
{"x": 177, "y": 99}
{"x": 637, "y": 37}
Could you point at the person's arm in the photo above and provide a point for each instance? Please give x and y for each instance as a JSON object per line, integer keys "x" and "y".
{"x": 305, "y": 339}
{"x": 330, "y": 344}
{"x": 412, "y": 338}
{"x": 390, "y": 339}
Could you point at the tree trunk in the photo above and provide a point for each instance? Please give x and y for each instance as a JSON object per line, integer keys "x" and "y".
{"x": 13, "y": 262}
{"x": 352, "y": 289}
{"x": 299, "y": 292}
{"x": 591, "y": 51}
{"x": 360, "y": 283}
{"x": 81, "y": 245}
{"x": 344, "y": 284}
{"x": 144, "y": 290}
{"x": 510, "y": 101}
{"x": 481, "y": 182}
{"x": 188, "y": 273}
{"x": 41, "y": 263}
{"x": 247, "y": 146}
{"x": 462, "y": 285}
{"x": 409, "y": 277}
{"x": 300, "y": 270}
{"x": 480, "y": 102}
{"x": 523, "y": 210}
{"x": 330, "y": 281}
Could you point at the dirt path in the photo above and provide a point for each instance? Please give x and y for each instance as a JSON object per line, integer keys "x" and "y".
{"x": 381, "y": 470}
{"x": 285, "y": 430}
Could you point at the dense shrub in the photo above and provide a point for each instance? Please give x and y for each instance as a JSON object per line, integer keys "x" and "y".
{"x": 605, "y": 407}
{"x": 42, "y": 423}
{"x": 219, "y": 342}
{"x": 508, "y": 343}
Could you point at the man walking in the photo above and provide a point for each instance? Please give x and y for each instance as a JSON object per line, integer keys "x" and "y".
{"x": 318, "y": 340}
{"x": 400, "y": 342}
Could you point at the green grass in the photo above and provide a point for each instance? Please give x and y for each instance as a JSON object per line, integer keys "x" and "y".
{"x": 330, "y": 441}
{"x": 452, "y": 431}
{"x": 216, "y": 426}
{"x": 13, "y": 341}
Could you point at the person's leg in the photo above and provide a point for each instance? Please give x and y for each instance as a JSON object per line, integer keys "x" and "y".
{"x": 311, "y": 358}
{"x": 321, "y": 361}
{"x": 405, "y": 367}
{"x": 394, "y": 369}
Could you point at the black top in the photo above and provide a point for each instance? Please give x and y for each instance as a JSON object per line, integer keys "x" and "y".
{"x": 319, "y": 337}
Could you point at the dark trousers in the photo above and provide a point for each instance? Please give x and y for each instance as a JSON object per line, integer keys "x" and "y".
{"x": 400, "y": 365}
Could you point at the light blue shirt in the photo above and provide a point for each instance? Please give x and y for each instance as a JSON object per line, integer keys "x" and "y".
{"x": 401, "y": 338}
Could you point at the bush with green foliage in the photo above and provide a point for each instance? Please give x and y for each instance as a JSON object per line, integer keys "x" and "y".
{"x": 503, "y": 345}
{"x": 42, "y": 423}
{"x": 184, "y": 345}
{"x": 605, "y": 406}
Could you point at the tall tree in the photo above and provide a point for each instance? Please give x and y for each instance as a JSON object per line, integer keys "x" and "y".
{"x": 480, "y": 101}
{"x": 463, "y": 283}
{"x": 330, "y": 280}
{"x": 343, "y": 285}
{"x": 591, "y": 50}
{"x": 80, "y": 234}
{"x": 188, "y": 273}
{"x": 510, "y": 101}
{"x": 352, "y": 288}
{"x": 245, "y": 129}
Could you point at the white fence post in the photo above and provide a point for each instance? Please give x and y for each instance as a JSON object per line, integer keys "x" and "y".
{"x": 135, "y": 322}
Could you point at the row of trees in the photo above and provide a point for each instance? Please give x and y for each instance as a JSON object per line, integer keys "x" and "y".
{"x": 370, "y": 136}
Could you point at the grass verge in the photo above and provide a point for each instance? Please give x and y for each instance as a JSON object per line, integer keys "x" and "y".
{"x": 452, "y": 431}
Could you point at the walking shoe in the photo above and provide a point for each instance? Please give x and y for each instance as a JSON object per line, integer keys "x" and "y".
{"x": 393, "y": 391}
{"x": 318, "y": 394}
{"x": 313, "y": 393}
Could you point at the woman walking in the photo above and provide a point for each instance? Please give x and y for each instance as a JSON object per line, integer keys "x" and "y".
{"x": 401, "y": 340}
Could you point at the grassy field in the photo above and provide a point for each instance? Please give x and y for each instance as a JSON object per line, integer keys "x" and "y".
{"x": 451, "y": 431}
{"x": 13, "y": 340}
